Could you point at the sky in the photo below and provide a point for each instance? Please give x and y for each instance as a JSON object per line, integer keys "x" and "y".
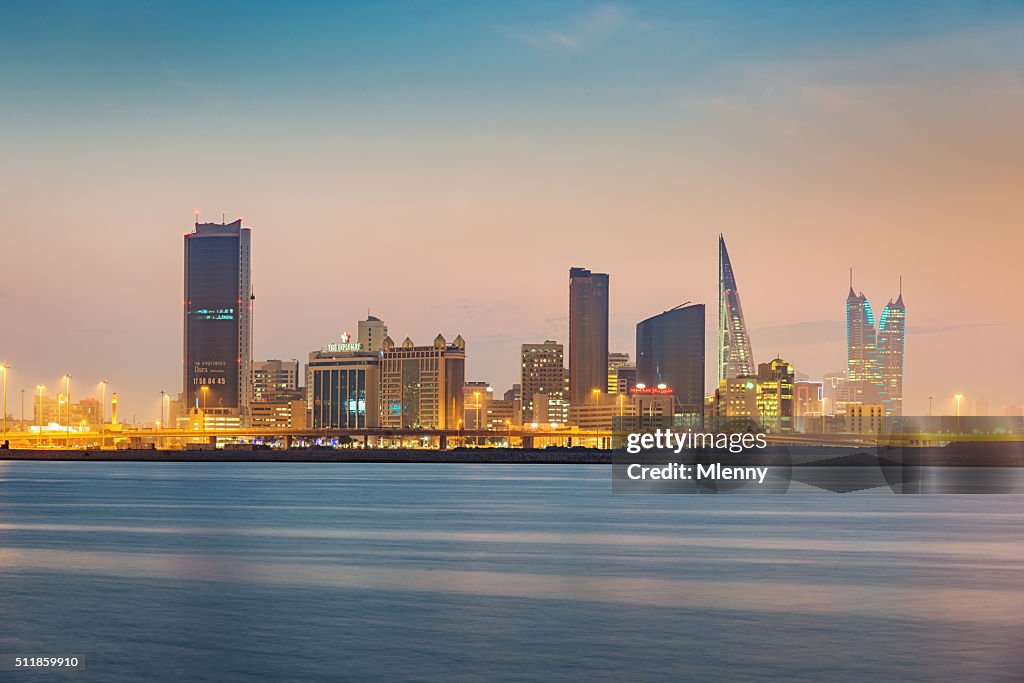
{"x": 444, "y": 164}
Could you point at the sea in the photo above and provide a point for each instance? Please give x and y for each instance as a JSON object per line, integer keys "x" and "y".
{"x": 486, "y": 572}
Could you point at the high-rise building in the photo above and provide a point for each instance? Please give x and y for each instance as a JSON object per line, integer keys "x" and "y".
{"x": 588, "y": 334}
{"x": 861, "y": 349}
{"x": 275, "y": 380}
{"x": 670, "y": 350}
{"x": 735, "y": 357}
{"x": 874, "y": 356}
{"x": 421, "y": 386}
{"x": 891, "y": 334}
{"x": 543, "y": 370}
{"x": 218, "y": 314}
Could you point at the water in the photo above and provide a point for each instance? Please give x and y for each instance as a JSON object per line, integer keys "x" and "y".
{"x": 323, "y": 572}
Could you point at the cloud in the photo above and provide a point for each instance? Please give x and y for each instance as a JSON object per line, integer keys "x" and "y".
{"x": 591, "y": 28}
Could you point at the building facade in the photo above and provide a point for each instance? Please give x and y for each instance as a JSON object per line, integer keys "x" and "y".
{"x": 542, "y": 373}
{"x": 275, "y": 380}
{"x": 588, "y": 334}
{"x": 891, "y": 335}
{"x": 217, "y": 319}
{"x": 344, "y": 389}
{"x": 422, "y": 386}
{"x": 670, "y": 350}
{"x": 735, "y": 357}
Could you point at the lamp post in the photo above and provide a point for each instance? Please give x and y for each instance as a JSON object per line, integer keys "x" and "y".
{"x": 5, "y": 367}
{"x": 204, "y": 390}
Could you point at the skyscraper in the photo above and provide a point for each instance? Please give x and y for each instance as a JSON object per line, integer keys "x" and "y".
{"x": 874, "y": 357}
{"x": 588, "y": 334}
{"x": 670, "y": 349}
{"x": 543, "y": 370}
{"x": 218, "y": 314}
{"x": 735, "y": 358}
{"x": 862, "y": 371}
{"x": 891, "y": 334}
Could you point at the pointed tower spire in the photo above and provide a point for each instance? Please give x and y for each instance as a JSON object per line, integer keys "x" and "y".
{"x": 735, "y": 357}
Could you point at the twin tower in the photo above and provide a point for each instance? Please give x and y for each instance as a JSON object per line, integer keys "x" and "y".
{"x": 874, "y": 354}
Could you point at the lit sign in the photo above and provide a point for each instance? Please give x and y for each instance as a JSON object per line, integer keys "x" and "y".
{"x": 656, "y": 391}
{"x": 345, "y": 346}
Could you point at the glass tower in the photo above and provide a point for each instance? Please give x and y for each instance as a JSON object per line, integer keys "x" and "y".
{"x": 891, "y": 333}
{"x": 218, "y": 314}
{"x": 734, "y": 355}
{"x": 670, "y": 349}
{"x": 588, "y": 334}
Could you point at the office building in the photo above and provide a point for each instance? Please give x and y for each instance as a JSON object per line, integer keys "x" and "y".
{"x": 864, "y": 418}
{"x": 218, "y": 314}
{"x": 588, "y": 334}
{"x": 862, "y": 371}
{"x": 670, "y": 350}
{"x": 542, "y": 373}
{"x": 616, "y": 360}
{"x": 775, "y": 382}
{"x": 278, "y": 414}
{"x": 735, "y": 357}
{"x": 476, "y": 401}
{"x": 344, "y": 387}
{"x": 275, "y": 380}
{"x": 421, "y": 386}
{"x": 625, "y": 378}
{"x": 891, "y": 334}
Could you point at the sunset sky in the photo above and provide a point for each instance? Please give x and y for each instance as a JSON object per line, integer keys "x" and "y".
{"x": 444, "y": 164}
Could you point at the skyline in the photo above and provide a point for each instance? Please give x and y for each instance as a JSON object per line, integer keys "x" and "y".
{"x": 574, "y": 133}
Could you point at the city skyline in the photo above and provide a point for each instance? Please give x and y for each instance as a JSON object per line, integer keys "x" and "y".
{"x": 845, "y": 148}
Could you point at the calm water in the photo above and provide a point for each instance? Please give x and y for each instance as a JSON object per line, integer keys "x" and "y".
{"x": 295, "y": 572}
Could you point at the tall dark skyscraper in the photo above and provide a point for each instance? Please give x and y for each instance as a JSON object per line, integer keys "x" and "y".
{"x": 735, "y": 357}
{"x": 588, "y": 334}
{"x": 218, "y": 315}
{"x": 670, "y": 349}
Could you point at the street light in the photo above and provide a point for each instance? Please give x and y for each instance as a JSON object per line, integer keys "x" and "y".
{"x": 597, "y": 394}
{"x": 203, "y": 390}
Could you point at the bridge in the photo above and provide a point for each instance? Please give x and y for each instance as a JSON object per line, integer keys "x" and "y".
{"x": 523, "y": 437}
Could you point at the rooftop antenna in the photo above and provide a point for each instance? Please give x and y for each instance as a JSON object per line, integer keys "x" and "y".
{"x": 901, "y": 285}
{"x": 223, "y": 221}
{"x": 851, "y": 277}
